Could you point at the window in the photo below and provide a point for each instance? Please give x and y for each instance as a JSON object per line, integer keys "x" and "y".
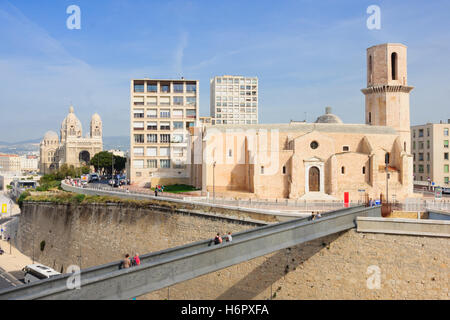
{"x": 445, "y": 155}
{"x": 428, "y": 144}
{"x": 177, "y": 113}
{"x": 414, "y": 145}
{"x": 152, "y": 126}
{"x": 314, "y": 145}
{"x": 151, "y": 101}
{"x": 428, "y": 156}
{"x": 445, "y": 143}
{"x": 138, "y": 101}
{"x": 420, "y": 156}
{"x": 178, "y": 124}
{"x": 394, "y": 65}
{"x": 151, "y": 152}
{"x": 138, "y": 125}
{"x": 262, "y": 170}
{"x": 191, "y": 101}
{"x": 164, "y": 101}
{"x": 164, "y": 113}
{"x": 387, "y": 156}
{"x": 165, "y": 88}
{"x": 138, "y": 151}
{"x": 177, "y": 152}
{"x": 164, "y": 125}
{"x": 178, "y": 87}
{"x": 446, "y": 180}
{"x": 139, "y": 138}
{"x": 152, "y": 87}
{"x": 414, "y": 133}
{"x": 139, "y": 174}
{"x": 152, "y": 138}
{"x": 191, "y": 88}
{"x": 345, "y": 148}
{"x": 428, "y": 168}
{"x": 420, "y": 133}
{"x": 363, "y": 170}
{"x": 445, "y": 132}
{"x": 420, "y": 144}
{"x": 138, "y": 113}
{"x": 428, "y": 132}
{"x": 138, "y": 164}
{"x": 138, "y": 87}
{"x": 420, "y": 168}
{"x": 152, "y": 163}
{"x": 189, "y": 124}
{"x": 190, "y": 113}
{"x": 343, "y": 170}
{"x": 164, "y": 151}
{"x": 370, "y": 117}
{"x": 152, "y": 113}
{"x": 164, "y": 138}
{"x": 446, "y": 168}
{"x": 230, "y": 153}
{"x": 284, "y": 169}
{"x": 178, "y": 101}
{"x": 165, "y": 163}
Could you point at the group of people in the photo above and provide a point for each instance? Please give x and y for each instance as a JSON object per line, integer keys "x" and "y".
{"x": 220, "y": 239}
{"x": 130, "y": 262}
{"x": 315, "y": 215}
{"x": 158, "y": 188}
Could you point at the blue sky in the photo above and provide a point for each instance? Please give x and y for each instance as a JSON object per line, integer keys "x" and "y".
{"x": 306, "y": 54}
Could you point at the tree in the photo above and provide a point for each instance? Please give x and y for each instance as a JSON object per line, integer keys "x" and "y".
{"x": 103, "y": 161}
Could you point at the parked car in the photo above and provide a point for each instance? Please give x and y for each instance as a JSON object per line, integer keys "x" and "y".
{"x": 94, "y": 177}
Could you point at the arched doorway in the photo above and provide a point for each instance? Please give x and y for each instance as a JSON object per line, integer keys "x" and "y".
{"x": 84, "y": 157}
{"x": 314, "y": 179}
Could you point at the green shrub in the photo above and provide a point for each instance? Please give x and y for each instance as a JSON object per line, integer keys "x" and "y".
{"x": 8, "y": 187}
{"x": 22, "y": 197}
{"x": 42, "y": 245}
{"x": 79, "y": 198}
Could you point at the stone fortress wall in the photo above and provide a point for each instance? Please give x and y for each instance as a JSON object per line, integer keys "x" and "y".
{"x": 334, "y": 267}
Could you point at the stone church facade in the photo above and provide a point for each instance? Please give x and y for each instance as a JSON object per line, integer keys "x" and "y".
{"x": 325, "y": 160}
{"x": 71, "y": 147}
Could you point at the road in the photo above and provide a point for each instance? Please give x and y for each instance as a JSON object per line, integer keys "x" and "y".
{"x": 6, "y": 280}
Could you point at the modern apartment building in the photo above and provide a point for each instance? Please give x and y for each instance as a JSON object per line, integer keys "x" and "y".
{"x": 161, "y": 113}
{"x": 234, "y": 100}
{"x": 430, "y": 148}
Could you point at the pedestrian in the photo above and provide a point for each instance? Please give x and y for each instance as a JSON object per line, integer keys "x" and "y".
{"x": 218, "y": 239}
{"x": 126, "y": 263}
{"x": 229, "y": 237}
{"x": 136, "y": 259}
{"x": 319, "y": 215}
{"x": 313, "y": 215}
{"x": 156, "y": 192}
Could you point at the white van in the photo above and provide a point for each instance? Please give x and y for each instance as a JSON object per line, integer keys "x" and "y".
{"x": 36, "y": 272}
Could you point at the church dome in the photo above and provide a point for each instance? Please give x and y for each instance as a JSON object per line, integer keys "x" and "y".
{"x": 328, "y": 117}
{"x": 50, "y": 136}
{"x": 96, "y": 117}
{"x": 71, "y": 121}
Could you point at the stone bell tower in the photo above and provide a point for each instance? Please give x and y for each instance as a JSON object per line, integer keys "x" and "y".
{"x": 387, "y": 92}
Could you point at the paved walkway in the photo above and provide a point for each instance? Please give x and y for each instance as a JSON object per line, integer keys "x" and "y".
{"x": 13, "y": 262}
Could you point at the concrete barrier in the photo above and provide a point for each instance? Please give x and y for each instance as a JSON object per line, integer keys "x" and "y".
{"x": 433, "y": 228}
{"x": 438, "y": 215}
{"x": 171, "y": 266}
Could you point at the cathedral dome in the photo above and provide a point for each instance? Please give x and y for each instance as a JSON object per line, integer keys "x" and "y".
{"x": 72, "y": 122}
{"x": 50, "y": 136}
{"x": 328, "y": 117}
{"x": 96, "y": 117}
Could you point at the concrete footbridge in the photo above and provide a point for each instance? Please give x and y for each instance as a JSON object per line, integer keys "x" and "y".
{"x": 168, "y": 267}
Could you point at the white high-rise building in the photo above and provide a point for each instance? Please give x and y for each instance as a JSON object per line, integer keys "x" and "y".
{"x": 234, "y": 100}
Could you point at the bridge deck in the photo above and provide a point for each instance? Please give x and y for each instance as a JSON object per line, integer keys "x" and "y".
{"x": 165, "y": 268}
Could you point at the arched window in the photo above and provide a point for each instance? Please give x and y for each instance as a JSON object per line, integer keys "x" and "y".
{"x": 370, "y": 117}
{"x": 370, "y": 68}
{"x": 386, "y": 158}
{"x": 394, "y": 65}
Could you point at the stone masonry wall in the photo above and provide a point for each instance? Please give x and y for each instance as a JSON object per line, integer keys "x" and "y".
{"x": 333, "y": 267}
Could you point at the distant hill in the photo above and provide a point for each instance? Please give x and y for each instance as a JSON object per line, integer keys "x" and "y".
{"x": 25, "y": 147}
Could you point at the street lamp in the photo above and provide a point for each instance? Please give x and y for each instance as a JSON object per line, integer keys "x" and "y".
{"x": 214, "y": 182}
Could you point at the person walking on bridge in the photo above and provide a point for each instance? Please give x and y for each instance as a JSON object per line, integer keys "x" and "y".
{"x": 136, "y": 259}
{"x": 126, "y": 263}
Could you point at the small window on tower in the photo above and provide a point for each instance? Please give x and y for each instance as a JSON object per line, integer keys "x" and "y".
{"x": 394, "y": 65}
{"x": 370, "y": 117}
{"x": 345, "y": 148}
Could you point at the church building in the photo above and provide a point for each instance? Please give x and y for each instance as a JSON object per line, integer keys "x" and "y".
{"x": 71, "y": 147}
{"x": 324, "y": 160}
